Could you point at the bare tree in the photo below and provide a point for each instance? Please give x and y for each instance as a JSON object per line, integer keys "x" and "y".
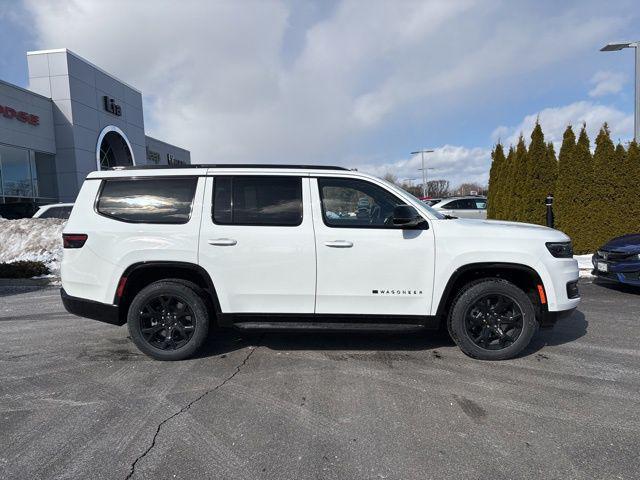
{"x": 391, "y": 178}
{"x": 471, "y": 188}
{"x": 438, "y": 188}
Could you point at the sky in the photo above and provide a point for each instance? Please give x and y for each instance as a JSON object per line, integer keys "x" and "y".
{"x": 356, "y": 83}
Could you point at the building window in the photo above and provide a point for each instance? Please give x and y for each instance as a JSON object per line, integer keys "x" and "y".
{"x": 25, "y": 174}
{"x": 114, "y": 151}
{"x": 16, "y": 172}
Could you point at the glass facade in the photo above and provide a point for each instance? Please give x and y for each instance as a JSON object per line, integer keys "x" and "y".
{"x": 26, "y": 176}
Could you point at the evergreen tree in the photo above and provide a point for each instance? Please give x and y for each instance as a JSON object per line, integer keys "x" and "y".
{"x": 519, "y": 183}
{"x": 505, "y": 188}
{"x": 621, "y": 200}
{"x": 497, "y": 167}
{"x": 539, "y": 179}
{"x": 604, "y": 190}
{"x": 568, "y": 177}
{"x": 579, "y": 226}
{"x": 632, "y": 180}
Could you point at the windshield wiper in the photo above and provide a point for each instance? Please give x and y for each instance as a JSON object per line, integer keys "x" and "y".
{"x": 449, "y": 217}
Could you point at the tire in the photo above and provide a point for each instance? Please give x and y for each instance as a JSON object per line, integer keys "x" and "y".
{"x": 168, "y": 320}
{"x": 492, "y": 319}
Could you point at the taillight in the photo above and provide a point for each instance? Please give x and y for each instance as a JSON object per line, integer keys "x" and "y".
{"x": 73, "y": 240}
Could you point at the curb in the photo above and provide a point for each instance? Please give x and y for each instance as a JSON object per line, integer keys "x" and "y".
{"x": 27, "y": 282}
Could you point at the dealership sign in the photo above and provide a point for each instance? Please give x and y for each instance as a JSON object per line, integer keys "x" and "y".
{"x": 24, "y": 117}
{"x": 111, "y": 106}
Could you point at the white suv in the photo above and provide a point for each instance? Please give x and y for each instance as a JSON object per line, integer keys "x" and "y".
{"x": 174, "y": 252}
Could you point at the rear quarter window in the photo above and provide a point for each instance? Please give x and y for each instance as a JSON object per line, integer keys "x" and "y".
{"x": 148, "y": 200}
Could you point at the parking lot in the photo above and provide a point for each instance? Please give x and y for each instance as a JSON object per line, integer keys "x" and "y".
{"x": 77, "y": 400}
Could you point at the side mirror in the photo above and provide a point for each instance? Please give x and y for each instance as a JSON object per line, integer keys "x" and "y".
{"x": 405, "y": 216}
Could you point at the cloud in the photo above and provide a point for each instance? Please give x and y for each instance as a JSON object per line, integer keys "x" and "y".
{"x": 554, "y": 121}
{"x": 461, "y": 164}
{"x": 454, "y": 163}
{"x": 607, "y": 83}
{"x": 220, "y": 79}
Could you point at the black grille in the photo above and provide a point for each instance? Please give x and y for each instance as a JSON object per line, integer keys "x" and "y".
{"x": 614, "y": 256}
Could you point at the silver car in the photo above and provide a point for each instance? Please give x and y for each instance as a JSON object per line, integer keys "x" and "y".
{"x": 463, "y": 207}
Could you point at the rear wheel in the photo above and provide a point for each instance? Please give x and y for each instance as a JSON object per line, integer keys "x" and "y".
{"x": 168, "y": 320}
{"x": 492, "y": 320}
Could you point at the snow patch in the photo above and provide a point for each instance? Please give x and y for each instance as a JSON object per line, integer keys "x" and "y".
{"x": 32, "y": 239}
{"x": 585, "y": 265}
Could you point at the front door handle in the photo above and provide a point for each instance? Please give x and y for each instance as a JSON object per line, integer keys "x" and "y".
{"x": 223, "y": 242}
{"x": 339, "y": 244}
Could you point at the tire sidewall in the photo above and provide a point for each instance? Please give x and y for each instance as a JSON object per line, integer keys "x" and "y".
{"x": 186, "y": 294}
{"x": 473, "y": 293}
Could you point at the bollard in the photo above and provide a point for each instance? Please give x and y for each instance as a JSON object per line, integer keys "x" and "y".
{"x": 549, "y": 204}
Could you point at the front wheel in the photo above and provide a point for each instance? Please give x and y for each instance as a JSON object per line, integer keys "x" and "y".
{"x": 492, "y": 320}
{"x": 168, "y": 320}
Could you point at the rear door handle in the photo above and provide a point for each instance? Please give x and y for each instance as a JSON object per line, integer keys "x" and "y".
{"x": 223, "y": 242}
{"x": 339, "y": 244}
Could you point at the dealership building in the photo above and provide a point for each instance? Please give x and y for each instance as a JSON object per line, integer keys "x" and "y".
{"x": 73, "y": 118}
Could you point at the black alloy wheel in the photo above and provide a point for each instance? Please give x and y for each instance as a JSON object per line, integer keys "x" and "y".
{"x": 167, "y": 322}
{"x": 169, "y": 319}
{"x": 494, "y": 321}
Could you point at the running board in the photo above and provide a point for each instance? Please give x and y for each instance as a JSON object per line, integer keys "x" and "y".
{"x": 329, "y": 326}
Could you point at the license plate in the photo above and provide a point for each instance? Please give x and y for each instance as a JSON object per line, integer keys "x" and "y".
{"x": 603, "y": 267}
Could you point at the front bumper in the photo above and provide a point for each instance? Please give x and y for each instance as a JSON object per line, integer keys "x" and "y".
{"x": 627, "y": 272}
{"x": 102, "y": 312}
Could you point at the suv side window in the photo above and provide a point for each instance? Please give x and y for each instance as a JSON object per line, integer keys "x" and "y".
{"x": 148, "y": 200}
{"x": 257, "y": 200}
{"x": 461, "y": 204}
{"x": 355, "y": 203}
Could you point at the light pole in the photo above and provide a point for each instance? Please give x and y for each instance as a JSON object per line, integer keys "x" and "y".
{"x": 424, "y": 170}
{"x": 612, "y": 47}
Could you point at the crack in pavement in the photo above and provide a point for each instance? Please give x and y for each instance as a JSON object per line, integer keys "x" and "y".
{"x": 187, "y": 407}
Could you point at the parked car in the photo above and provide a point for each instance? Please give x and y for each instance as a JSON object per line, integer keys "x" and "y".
{"x": 432, "y": 201}
{"x": 54, "y": 210}
{"x": 173, "y": 252}
{"x": 619, "y": 260}
{"x": 463, "y": 207}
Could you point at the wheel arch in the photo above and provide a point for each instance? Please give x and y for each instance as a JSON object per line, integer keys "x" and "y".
{"x": 139, "y": 275}
{"x": 521, "y": 275}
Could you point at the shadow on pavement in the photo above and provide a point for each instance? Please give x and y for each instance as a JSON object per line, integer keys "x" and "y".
{"x": 565, "y": 331}
{"x": 618, "y": 287}
{"x": 224, "y": 341}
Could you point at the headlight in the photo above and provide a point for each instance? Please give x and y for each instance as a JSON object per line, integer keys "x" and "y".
{"x": 560, "y": 249}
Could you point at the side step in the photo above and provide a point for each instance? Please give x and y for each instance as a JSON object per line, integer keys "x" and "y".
{"x": 328, "y": 326}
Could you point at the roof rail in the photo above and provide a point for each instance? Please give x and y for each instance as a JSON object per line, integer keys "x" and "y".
{"x": 229, "y": 165}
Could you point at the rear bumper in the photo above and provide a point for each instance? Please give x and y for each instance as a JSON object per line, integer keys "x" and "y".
{"x": 102, "y": 312}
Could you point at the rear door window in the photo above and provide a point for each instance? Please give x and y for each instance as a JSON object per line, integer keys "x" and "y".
{"x": 148, "y": 200}
{"x": 257, "y": 200}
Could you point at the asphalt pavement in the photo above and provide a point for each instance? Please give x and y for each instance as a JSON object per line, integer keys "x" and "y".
{"x": 77, "y": 400}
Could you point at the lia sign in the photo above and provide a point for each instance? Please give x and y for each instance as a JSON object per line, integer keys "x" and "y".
{"x": 111, "y": 106}
{"x": 24, "y": 117}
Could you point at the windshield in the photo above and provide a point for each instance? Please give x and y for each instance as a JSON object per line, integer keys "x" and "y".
{"x": 421, "y": 204}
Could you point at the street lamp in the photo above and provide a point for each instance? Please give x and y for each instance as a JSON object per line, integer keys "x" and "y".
{"x": 613, "y": 47}
{"x": 424, "y": 170}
